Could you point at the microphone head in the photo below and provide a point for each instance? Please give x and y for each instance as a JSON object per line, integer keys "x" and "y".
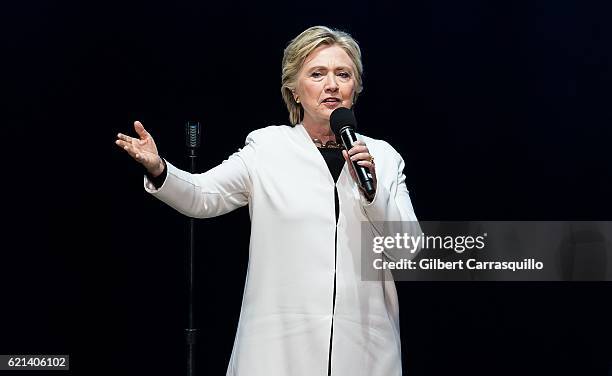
{"x": 340, "y": 118}
{"x": 192, "y": 134}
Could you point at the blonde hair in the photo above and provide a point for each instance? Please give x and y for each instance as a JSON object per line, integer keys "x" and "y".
{"x": 299, "y": 48}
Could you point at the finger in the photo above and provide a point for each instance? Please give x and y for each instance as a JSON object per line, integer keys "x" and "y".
{"x": 139, "y": 128}
{"x": 361, "y": 157}
{"x": 350, "y": 165}
{"x": 124, "y": 137}
{"x": 358, "y": 149}
{"x": 138, "y": 156}
{"x": 133, "y": 152}
{"x": 346, "y": 156}
{"x": 367, "y": 164}
{"x": 126, "y": 146}
{"x": 357, "y": 143}
{"x": 371, "y": 167}
{"x": 123, "y": 144}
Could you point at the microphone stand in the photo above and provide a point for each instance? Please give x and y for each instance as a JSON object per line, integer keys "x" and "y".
{"x": 192, "y": 138}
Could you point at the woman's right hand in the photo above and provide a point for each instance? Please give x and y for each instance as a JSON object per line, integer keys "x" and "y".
{"x": 142, "y": 149}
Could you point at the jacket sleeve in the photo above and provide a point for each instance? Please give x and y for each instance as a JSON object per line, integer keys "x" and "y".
{"x": 215, "y": 192}
{"x": 390, "y": 212}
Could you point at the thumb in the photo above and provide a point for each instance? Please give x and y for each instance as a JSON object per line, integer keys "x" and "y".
{"x": 138, "y": 127}
{"x": 349, "y": 163}
{"x": 345, "y": 155}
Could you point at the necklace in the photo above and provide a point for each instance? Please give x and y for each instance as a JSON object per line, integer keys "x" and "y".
{"x": 331, "y": 144}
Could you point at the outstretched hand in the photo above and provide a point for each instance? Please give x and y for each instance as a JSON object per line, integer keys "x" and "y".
{"x": 142, "y": 149}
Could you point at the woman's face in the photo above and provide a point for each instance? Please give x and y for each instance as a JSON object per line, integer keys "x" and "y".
{"x": 326, "y": 81}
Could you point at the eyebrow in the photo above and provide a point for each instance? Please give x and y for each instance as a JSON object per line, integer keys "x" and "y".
{"x": 325, "y": 68}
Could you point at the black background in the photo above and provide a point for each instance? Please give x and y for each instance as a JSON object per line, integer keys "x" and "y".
{"x": 500, "y": 109}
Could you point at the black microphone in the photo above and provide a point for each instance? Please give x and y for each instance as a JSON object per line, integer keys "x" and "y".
{"x": 192, "y": 137}
{"x": 343, "y": 124}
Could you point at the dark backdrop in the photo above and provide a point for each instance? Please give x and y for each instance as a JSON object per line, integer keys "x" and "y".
{"x": 500, "y": 109}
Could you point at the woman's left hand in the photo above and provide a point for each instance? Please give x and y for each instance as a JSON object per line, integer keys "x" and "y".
{"x": 360, "y": 153}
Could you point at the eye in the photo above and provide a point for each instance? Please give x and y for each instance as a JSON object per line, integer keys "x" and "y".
{"x": 344, "y": 75}
{"x": 316, "y": 75}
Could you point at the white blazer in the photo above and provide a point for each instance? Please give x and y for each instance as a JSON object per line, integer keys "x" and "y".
{"x": 303, "y": 291}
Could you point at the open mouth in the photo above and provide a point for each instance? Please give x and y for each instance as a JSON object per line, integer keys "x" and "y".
{"x": 331, "y": 100}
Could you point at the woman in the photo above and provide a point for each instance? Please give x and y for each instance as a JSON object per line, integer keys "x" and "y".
{"x": 305, "y": 309}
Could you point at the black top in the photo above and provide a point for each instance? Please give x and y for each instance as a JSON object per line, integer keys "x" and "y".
{"x": 334, "y": 159}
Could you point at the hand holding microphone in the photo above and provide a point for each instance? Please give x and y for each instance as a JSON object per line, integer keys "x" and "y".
{"x": 357, "y": 155}
{"x": 360, "y": 155}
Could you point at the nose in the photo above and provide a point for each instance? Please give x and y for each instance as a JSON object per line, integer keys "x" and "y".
{"x": 331, "y": 85}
